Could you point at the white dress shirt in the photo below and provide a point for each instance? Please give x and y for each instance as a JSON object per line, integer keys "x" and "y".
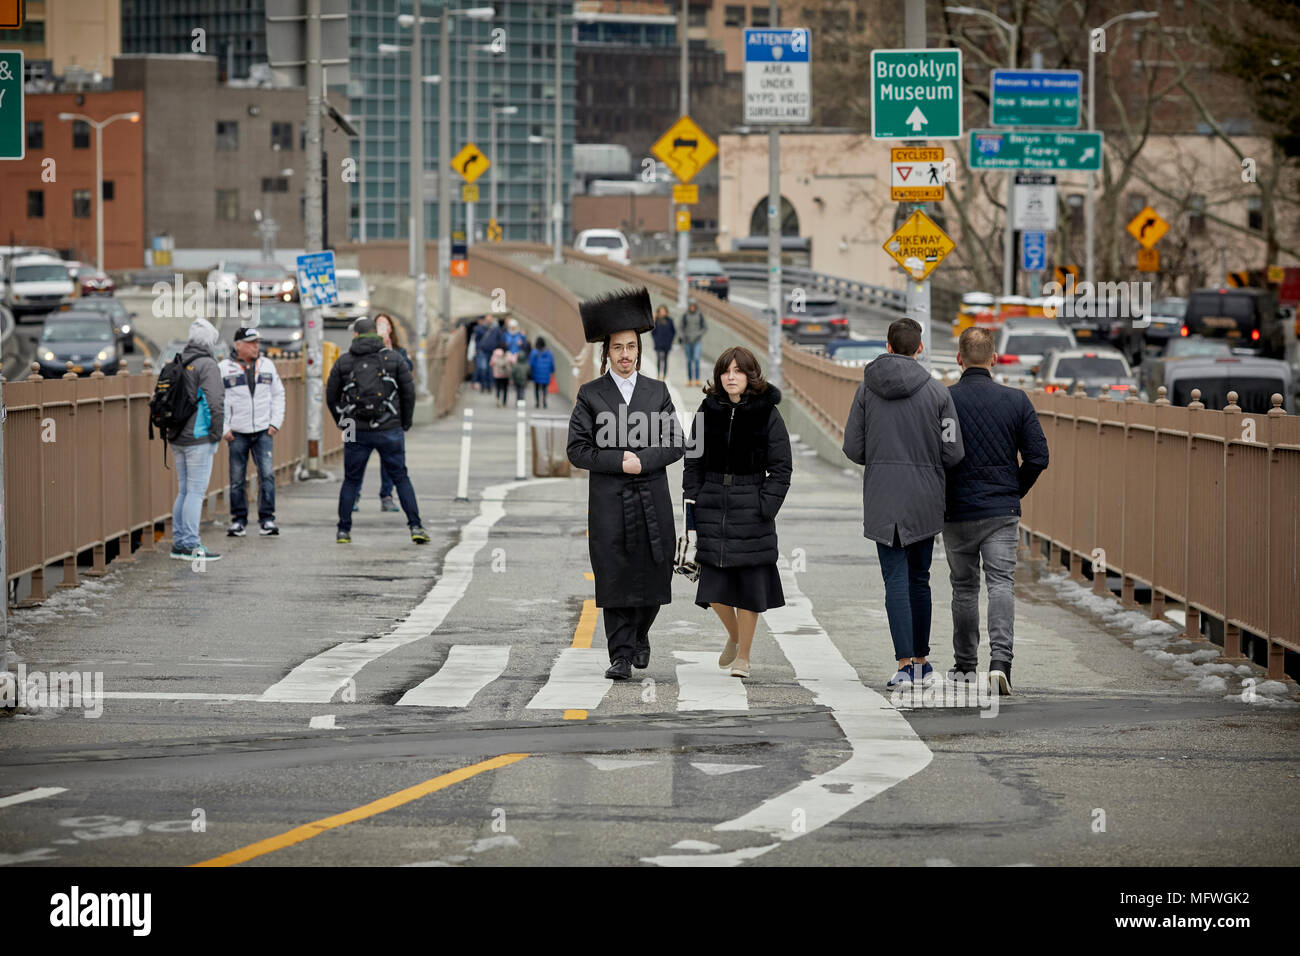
{"x": 625, "y": 385}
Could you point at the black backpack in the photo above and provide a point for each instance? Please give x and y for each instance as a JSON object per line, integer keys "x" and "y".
{"x": 370, "y": 393}
{"x": 171, "y": 406}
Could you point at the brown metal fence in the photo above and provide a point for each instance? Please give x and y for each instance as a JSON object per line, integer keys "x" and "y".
{"x": 1201, "y": 506}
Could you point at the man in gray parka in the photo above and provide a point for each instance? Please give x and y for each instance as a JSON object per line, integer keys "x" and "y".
{"x": 903, "y": 428}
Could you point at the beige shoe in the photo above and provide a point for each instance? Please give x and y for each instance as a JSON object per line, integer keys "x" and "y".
{"x": 740, "y": 667}
{"x": 728, "y": 654}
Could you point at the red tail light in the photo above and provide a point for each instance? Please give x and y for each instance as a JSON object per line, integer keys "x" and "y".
{"x": 1184, "y": 332}
{"x": 1254, "y": 335}
{"x": 839, "y": 322}
{"x": 723, "y": 279}
{"x": 1051, "y": 388}
{"x": 789, "y": 321}
{"x": 1119, "y": 388}
{"x": 1008, "y": 360}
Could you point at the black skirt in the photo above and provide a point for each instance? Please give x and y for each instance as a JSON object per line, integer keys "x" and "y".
{"x": 756, "y": 588}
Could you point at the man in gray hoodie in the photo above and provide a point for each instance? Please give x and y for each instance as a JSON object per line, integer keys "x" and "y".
{"x": 196, "y": 445}
{"x": 903, "y": 428}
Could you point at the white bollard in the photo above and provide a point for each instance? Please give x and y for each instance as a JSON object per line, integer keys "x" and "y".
{"x": 521, "y": 469}
{"x": 462, "y": 485}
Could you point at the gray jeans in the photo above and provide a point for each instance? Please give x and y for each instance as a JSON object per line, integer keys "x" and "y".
{"x": 965, "y": 543}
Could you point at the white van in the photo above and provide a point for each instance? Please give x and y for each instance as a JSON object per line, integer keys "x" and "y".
{"x": 610, "y": 243}
{"x": 354, "y": 298}
{"x": 36, "y": 284}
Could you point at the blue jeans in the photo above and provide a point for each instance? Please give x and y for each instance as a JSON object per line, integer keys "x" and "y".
{"x": 907, "y": 595}
{"x": 966, "y": 543}
{"x": 385, "y": 482}
{"x": 259, "y": 444}
{"x": 692, "y": 350}
{"x": 391, "y": 445}
{"x": 483, "y": 370}
{"x": 193, "y": 469}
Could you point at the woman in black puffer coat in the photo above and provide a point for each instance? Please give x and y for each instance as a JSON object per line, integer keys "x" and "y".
{"x": 738, "y": 483}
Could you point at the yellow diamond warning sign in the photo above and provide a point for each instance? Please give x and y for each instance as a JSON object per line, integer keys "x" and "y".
{"x": 685, "y": 149}
{"x": 1147, "y": 227}
{"x": 470, "y": 162}
{"x": 919, "y": 246}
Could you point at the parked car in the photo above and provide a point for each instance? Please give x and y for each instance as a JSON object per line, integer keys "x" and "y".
{"x": 1103, "y": 373}
{"x": 1255, "y": 380}
{"x": 1151, "y": 374}
{"x": 610, "y": 243}
{"x": 260, "y": 281}
{"x": 854, "y": 352}
{"x": 707, "y": 274}
{"x": 354, "y": 298}
{"x": 818, "y": 322}
{"x": 80, "y": 337}
{"x": 223, "y": 282}
{"x": 1021, "y": 344}
{"x": 90, "y": 281}
{"x": 113, "y": 308}
{"x": 281, "y": 328}
{"x": 1248, "y": 316}
{"x": 36, "y": 284}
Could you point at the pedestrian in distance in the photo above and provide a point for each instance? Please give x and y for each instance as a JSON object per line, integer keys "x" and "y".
{"x": 631, "y": 537}
{"x": 519, "y": 372}
{"x": 196, "y": 444}
{"x": 254, "y": 413}
{"x": 691, "y": 331}
{"x": 1005, "y": 453}
{"x": 371, "y": 395}
{"x": 738, "y": 485}
{"x": 541, "y": 366}
{"x": 663, "y": 334}
{"x": 515, "y": 338}
{"x": 903, "y": 428}
{"x": 386, "y": 326}
{"x": 503, "y": 361}
{"x": 482, "y": 357}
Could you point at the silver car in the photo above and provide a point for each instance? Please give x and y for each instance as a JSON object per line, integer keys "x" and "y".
{"x": 1022, "y": 343}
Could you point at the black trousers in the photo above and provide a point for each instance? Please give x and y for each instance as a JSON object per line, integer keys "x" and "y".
{"x": 627, "y": 629}
{"x": 661, "y": 363}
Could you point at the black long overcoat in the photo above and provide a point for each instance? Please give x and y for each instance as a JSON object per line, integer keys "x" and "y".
{"x": 631, "y": 533}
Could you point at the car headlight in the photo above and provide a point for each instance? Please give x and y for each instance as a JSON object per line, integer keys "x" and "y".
{"x": 103, "y": 355}
{"x": 243, "y": 283}
{"x": 126, "y": 328}
{"x": 363, "y": 303}
{"x": 47, "y": 356}
{"x": 296, "y": 335}
{"x": 287, "y": 285}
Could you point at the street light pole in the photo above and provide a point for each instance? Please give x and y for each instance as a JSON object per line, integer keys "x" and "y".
{"x": 492, "y": 170}
{"x": 469, "y": 138}
{"x": 98, "y": 126}
{"x": 557, "y": 164}
{"x": 684, "y": 83}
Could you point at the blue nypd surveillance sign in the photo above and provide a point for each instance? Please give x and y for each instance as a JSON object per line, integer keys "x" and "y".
{"x": 316, "y": 280}
{"x": 778, "y": 76}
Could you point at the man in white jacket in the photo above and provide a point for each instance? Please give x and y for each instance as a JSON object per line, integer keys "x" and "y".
{"x": 254, "y": 413}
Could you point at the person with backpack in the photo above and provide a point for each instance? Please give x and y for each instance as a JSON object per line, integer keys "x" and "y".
{"x": 386, "y": 326}
{"x": 519, "y": 372}
{"x": 371, "y": 395}
{"x": 541, "y": 366}
{"x": 189, "y": 407}
{"x": 254, "y": 413}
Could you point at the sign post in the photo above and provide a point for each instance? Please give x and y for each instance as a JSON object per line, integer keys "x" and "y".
{"x": 685, "y": 149}
{"x": 916, "y": 94}
{"x": 916, "y": 174}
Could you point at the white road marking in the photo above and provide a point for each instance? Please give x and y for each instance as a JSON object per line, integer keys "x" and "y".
{"x": 39, "y": 793}
{"x": 577, "y": 681}
{"x": 885, "y": 748}
{"x": 617, "y": 763}
{"x": 176, "y": 695}
{"x": 703, "y": 685}
{"x": 734, "y": 858}
{"x": 700, "y": 845}
{"x": 319, "y": 678}
{"x": 468, "y": 669}
{"x": 322, "y": 722}
{"x": 718, "y": 769}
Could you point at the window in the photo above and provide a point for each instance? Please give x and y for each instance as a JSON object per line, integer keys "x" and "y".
{"x": 282, "y": 135}
{"x": 227, "y": 205}
{"x": 107, "y": 195}
{"x": 36, "y": 204}
{"x": 1254, "y": 213}
{"x": 734, "y": 17}
{"x": 697, "y": 16}
{"x": 80, "y": 134}
{"x": 838, "y": 21}
{"x": 1196, "y": 215}
{"x": 81, "y": 204}
{"x": 35, "y": 134}
{"x": 275, "y": 184}
{"x": 227, "y": 134}
{"x": 760, "y": 17}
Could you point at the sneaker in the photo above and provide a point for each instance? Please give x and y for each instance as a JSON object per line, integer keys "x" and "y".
{"x": 956, "y": 675}
{"x": 268, "y": 527}
{"x": 420, "y": 536}
{"x": 236, "y": 530}
{"x": 902, "y": 678}
{"x": 1000, "y": 677}
{"x": 343, "y": 537}
{"x": 203, "y": 554}
{"x": 181, "y": 554}
{"x": 927, "y": 677}
{"x": 386, "y": 503}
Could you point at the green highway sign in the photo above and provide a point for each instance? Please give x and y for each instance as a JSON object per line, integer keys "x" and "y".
{"x": 13, "y": 138}
{"x": 1006, "y": 149}
{"x": 916, "y": 94}
{"x": 1035, "y": 98}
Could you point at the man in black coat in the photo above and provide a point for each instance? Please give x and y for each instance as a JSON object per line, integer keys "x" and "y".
{"x": 982, "y": 516}
{"x": 624, "y": 431}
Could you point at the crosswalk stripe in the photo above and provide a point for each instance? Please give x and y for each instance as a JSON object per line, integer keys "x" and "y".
{"x": 703, "y": 685}
{"x": 577, "y": 681}
{"x": 468, "y": 669}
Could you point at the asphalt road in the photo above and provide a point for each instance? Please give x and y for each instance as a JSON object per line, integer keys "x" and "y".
{"x": 269, "y": 692}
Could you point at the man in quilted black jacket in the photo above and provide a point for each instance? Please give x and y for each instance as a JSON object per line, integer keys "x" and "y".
{"x": 1005, "y": 454}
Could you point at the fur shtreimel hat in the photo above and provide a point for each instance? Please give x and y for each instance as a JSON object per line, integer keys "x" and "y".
{"x": 624, "y": 310}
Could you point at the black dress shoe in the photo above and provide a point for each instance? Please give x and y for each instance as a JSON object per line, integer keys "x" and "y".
{"x": 641, "y": 658}
{"x": 619, "y": 670}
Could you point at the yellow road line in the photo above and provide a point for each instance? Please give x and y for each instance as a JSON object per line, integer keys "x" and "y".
{"x": 382, "y": 805}
{"x": 575, "y": 715}
{"x": 586, "y": 624}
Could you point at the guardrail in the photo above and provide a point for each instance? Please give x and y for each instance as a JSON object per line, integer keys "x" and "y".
{"x": 862, "y": 293}
{"x": 1201, "y": 506}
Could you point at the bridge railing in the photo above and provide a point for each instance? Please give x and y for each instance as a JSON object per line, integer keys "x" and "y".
{"x": 851, "y": 290}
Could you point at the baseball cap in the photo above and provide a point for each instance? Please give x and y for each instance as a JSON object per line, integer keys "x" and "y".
{"x": 243, "y": 334}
